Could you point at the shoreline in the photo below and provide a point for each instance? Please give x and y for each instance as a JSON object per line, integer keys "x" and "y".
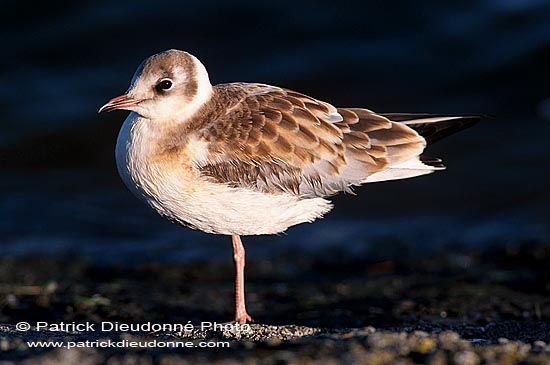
{"x": 460, "y": 306}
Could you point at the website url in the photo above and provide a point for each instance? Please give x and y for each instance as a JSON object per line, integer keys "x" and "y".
{"x": 127, "y": 344}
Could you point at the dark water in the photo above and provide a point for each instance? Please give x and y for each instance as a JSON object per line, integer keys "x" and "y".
{"x": 60, "y": 191}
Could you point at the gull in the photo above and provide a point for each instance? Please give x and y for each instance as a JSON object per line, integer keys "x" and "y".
{"x": 243, "y": 159}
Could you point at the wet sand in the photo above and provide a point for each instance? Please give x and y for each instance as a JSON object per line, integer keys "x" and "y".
{"x": 454, "y": 306}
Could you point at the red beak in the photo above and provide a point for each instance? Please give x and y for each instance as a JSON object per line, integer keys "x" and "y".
{"x": 120, "y": 102}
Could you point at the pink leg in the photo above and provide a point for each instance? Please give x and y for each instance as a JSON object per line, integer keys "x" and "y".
{"x": 238, "y": 256}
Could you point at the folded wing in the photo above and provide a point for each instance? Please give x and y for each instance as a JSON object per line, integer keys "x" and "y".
{"x": 276, "y": 140}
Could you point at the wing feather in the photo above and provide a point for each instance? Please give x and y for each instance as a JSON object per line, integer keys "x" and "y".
{"x": 435, "y": 127}
{"x": 275, "y": 140}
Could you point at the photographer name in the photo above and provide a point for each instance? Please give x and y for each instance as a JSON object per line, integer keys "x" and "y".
{"x": 134, "y": 327}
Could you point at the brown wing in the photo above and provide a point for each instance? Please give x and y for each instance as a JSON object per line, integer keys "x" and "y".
{"x": 277, "y": 140}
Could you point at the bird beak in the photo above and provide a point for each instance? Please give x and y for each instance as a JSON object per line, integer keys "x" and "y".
{"x": 120, "y": 102}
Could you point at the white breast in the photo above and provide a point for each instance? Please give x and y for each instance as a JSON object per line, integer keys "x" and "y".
{"x": 177, "y": 192}
{"x": 126, "y": 151}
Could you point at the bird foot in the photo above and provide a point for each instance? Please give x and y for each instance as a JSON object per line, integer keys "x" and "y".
{"x": 242, "y": 318}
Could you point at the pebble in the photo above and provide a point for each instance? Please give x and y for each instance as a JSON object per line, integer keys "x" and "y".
{"x": 466, "y": 358}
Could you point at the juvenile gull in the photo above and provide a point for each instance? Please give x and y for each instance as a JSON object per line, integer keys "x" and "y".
{"x": 249, "y": 159}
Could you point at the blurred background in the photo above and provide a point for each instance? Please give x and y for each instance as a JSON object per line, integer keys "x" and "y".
{"x": 60, "y": 192}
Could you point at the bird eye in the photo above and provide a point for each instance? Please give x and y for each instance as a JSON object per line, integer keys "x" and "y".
{"x": 164, "y": 85}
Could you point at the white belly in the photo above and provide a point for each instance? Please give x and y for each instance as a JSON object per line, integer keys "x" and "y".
{"x": 178, "y": 193}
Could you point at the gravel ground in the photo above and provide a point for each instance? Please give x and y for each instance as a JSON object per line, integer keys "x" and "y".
{"x": 457, "y": 306}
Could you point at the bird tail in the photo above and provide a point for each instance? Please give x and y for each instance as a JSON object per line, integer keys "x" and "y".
{"x": 432, "y": 128}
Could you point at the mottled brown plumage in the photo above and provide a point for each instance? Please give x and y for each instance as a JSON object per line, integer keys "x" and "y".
{"x": 273, "y": 140}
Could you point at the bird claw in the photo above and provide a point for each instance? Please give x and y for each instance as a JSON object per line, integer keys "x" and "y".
{"x": 242, "y": 318}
